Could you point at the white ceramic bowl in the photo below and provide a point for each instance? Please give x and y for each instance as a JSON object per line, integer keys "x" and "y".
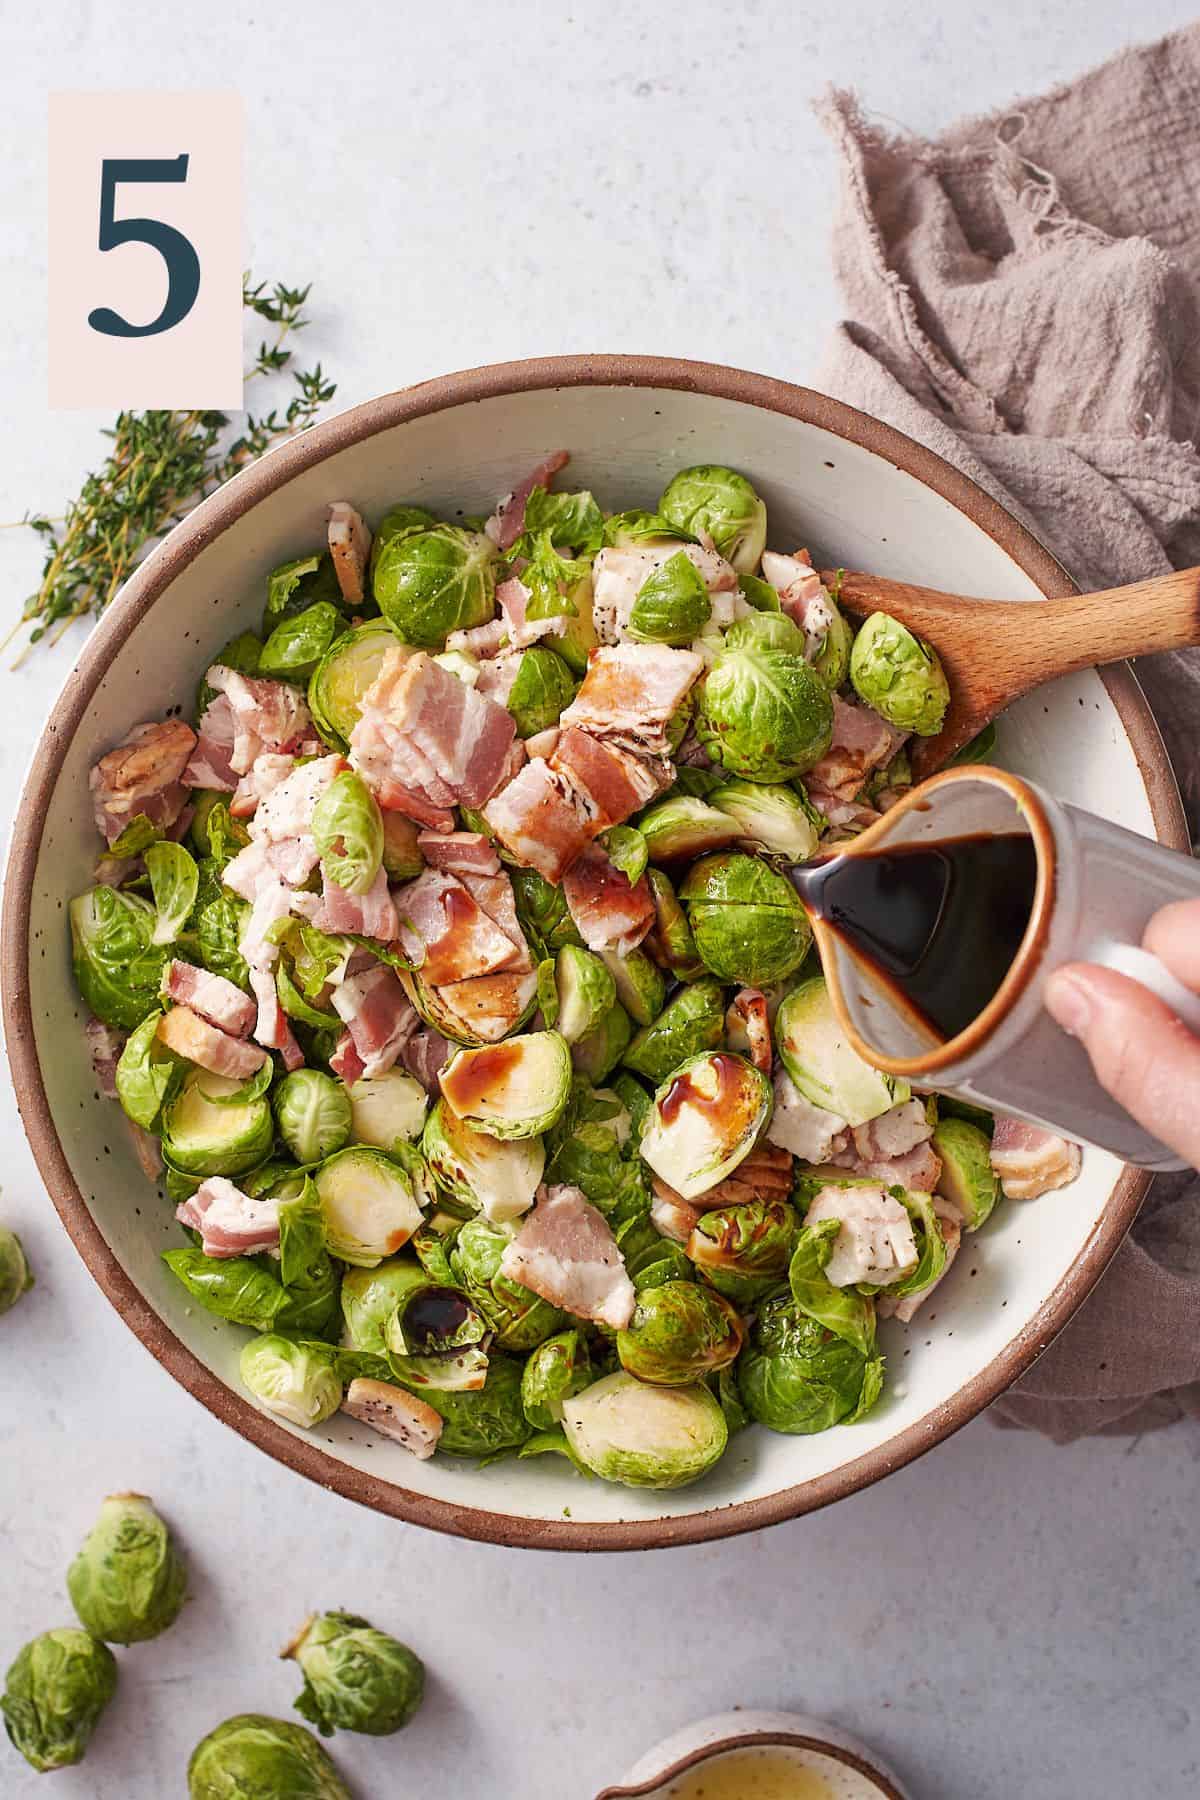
{"x": 858, "y": 494}
{"x": 851, "y": 1770}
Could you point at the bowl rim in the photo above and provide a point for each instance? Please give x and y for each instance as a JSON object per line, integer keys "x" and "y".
{"x": 216, "y": 514}
{"x": 765, "y": 1739}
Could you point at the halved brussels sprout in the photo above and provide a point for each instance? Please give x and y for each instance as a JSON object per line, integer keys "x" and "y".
{"x": 763, "y": 713}
{"x": 498, "y": 1177}
{"x": 128, "y": 1581}
{"x": 436, "y": 580}
{"x": 296, "y": 1382}
{"x": 430, "y": 1317}
{"x": 585, "y": 991}
{"x": 967, "y": 1180}
{"x": 118, "y": 970}
{"x": 692, "y": 1021}
{"x": 686, "y": 826}
{"x": 516, "y": 1089}
{"x": 899, "y": 675}
{"x": 297, "y": 644}
{"x": 719, "y": 501}
{"x": 386, "y": 1110}
{"x": 679, "y": 1333}
{"x": 343, "y": 675}
{"x": 206, "y": 1132}
{"x": 520, "y": 1318}
{"x": 347, "y": 827}
{"x": 797, "y": 1377}
{"x": 672, "y": 605}
{"x": 313, "y": 1113}
{"x": 370, "y": 1203}
{"x": 372, "y": 1297}
{"x": 253, "y": 1756}
{"x": 704, "y": 1120}
{"x": 294, "y": 586}
{"x": 543, "y": 687}
{"x": 15, "y": 1276}
{"x": 669, "y": 940}
{"x": 488, "y": 1420}
{"x": 744, "y": 1251}
{"x": 821, "y": 1062}
{"x": 402, "y": 856}
{"x": 598, "y": 1054}
{"x": 461, "y": 664}
{"x": 555, "y": 1371}
{"x": 55, "y": 1692}
{"x": 641, "y": 988}
{"x": 577, "y": 639}
{"x": 747, "y": 921}
{"x": 626, "y": 1430}
{"x": 355, "y": 1678}
{"x": 772, "y": 817}
{"x": 832, "y": 660}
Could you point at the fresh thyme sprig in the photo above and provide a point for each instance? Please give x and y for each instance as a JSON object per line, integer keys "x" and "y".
{"x": 160, "y": 464}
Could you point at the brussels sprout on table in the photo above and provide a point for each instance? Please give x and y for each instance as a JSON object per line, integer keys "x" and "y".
{"x": 55, "y": 1693}
{"x": 355, "y": 1678}
{"x": 899, "y": 675}
{"x": 515, "y": 1089}
{"x": 435, "y": 580}
{"x": 296, "y": 1382}
{"x": 313, "y": 1113}
{"x": 797, "y": 1377}
{"x": 128, "y": 1582}
{"x": 747, "y": 921}
{"x": 679, "y": 1333}
{"x": 628, "y": 1431}
{"x": 496, "y": 1176}
{"x": 672, "y": 605}
{"x": 692, "y": 1021}
{"x": 255, "y": 1757}
{"x": 704, "y": 1120}
{"x": 723, "y": 504}
{"x": 763, "y": 713}
{"x": 15, "y": 1276}
{"x": 554, "y": 1372}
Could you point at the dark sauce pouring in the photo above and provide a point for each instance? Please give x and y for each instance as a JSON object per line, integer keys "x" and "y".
{"x": 939, "y": 921}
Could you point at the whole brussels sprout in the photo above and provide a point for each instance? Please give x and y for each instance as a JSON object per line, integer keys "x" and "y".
{"x": 747, "y": 921}
{"x": 899, "y": 675}
{"x": 55, "y": 1692}
{"x": 294, "y": 1381}
{"x": 797, "y": 1377}
{"x": 554, "y": 1372}
{"x": 543, "y": 687}
{"x": 128, "y": 1581}
{"x": 679, "y": 1333}
{"x": 347, "y": 827}
{"x": 763, "y": 713}
{"x": 625, "y": 1430}
{"x": 712, "y": 499}
{"x": 313, "y": 1114}
{"x": 692, "y": 1020}
{"x": 117, "y": 968}
{"x": 397, "y": 522}
{"x": 355, "y": 1678}
{"x": 255, "y": 1757}
{"x": 436, "y": 580}
{"x": 672, "y": 605}
{"x": 744, "y": 1251}
{"x": 520, "y": 1318}
{"x": 15, "y": 1276}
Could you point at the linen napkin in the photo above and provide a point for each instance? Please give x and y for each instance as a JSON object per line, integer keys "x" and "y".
{"x": 1023, "y": 297}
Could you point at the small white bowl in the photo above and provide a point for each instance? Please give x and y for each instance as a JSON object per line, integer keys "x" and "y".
{"x": 850, "y": 1769}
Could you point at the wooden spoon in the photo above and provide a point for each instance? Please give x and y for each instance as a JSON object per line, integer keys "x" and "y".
{"x": 993, "y": 651}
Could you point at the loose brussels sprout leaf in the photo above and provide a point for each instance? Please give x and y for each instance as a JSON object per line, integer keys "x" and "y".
{"x": 15, "y": 1276}
{"x": 128, "y": 1582}
{"x": 214, "y": 831}
{"x": 386, "y": 1110}
{"x": 297, "y": 1007}
{"x": 294, "y": 1381}
{"x": 55, "y": 1693}
{"x": 758, "y": 593}
{"x": 650, "y": 1259}
{"x": 685, "y": 826}
{"x": 555, "y": 1371}
{"x": 641, "y": 989}
{"x": 636, "y": 1102}
{"x": 370, "y": 1203}
{"x": 729, "y": 1399}
{"x": 598, "y": 1054}
{"x": 693, "y": 1021}
{"x": 485, "y": 1421}
{"x": 543, "y": 912}
{"x": 832, "y": 660}
{"x": 626, "y": 529}
{"x": 402, "y": 856}
{"x": 773, "y": 818}
{"x": 679, "y": 1333}
{"x": 355, "y": 1678}
{"x": 148, "y": 1074}
{"x": 712, "y": 499}
{"x": 577, "y": 638}
{"x": 433, "y": 581}
{"x": 931, "y": 1262}
{"x": 979, "y": 749}
{"x": 574, "y": 521}
{"x": 238, "y": 1288}
{"x": 744, "y": 1251}
{"x": 820, "y": 1061}
{"x": 543, "y": 687}
{"x": 117, "y": 969}
{"x": 672, "y": 605}
{"x": 515, "y": 1089}
{"x": 763, "y": 713}
{"x": 551, "y": 578}
{"x": 626, "y": 850}
{"x": 747, "y": 921}
{"x": 899, "y": 675}
{"x": 343, "y": 675}
{"x": 967, "y": 1179}
{"x": 842, "y": 1311}
{"x": 704, "y": 1120}
{"x": 305, "y": 1269}
{"x": 669, "y": 940}
{"x": 174, "y": 883}
{"x": 254, "y": 1757}
{"x": 347, "y": 827}
{"x": 214, "y": 930}
{"x": 313, "y": 1114}
{"x": 585, "y": 991}
{"x": 495, "y": 1176}
{"x": 241, "y": 653}
{"x": 797, "y": 1377}
{"x": 520, "y": 1318}
{"x": 297, "y": 644}
{"x": 589, "y": 1157}
{"x": 625, "y": 1430}
{"x": 398, "y": 522}
{"x": 294, "y": 586}
{"x": 137, "y": 836}
{"x": 206, "y": 1132}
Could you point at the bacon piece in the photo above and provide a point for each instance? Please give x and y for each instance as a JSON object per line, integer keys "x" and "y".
{"x": 266, "y": 715}
{"x": 611, "y": 783}
{"x": 104, "y": 1046}
{"x": 374, "y": 1008}
{"x": 287, "y": 808}
{"x": 861, "y": 741}
{"x": 845, "y": 817}
{"x": 807, "y": 1131}
{"x": 748, "y": 1027}
{"x": 508, "y": 521}
{"x": 144, "y": 773}
{"x": 346, "y": 1061}
{"x": 539, "y": 818}
{"x": 425, "y": 1054}
{"x": 565, "y": 1252}
{"x": 1031, "y": 1161}
{"x": 461, "y": 852}
{"x": 894, "y": 1132}
{"x": 271, "y": 1027}
{"x": 395, "y": 1413}
{"x": 876, "y": 1242}
{"x": 608, "y": 912}
{"x": 212, "y": 996}
{"x": 631, "y": 692}
{"x": 479, "y": 640}
{"x": 543, "y": 744}
{"x": 513, "y": 597}
{"x": 443, "y": 924}
{"x": 671, "y": 1216}
{"x": 619, "y": 575}
{"x": 266, "y": 775}
{"x": 802, "y": 595}
{"x": 230, "y": 1223}
{"x": 424, "y": 734}
{"x": 190, "y": 1036}
{"x": 372, "y": 914}
{"x": 494, "y": 893}
{"x": 349, "y": 542}
{"x": 211, "y": 765}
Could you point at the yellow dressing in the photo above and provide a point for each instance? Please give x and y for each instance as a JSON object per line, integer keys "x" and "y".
{"x": 751, "y": 1775}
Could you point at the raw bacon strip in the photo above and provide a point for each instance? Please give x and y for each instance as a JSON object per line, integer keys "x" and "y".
{"x": 192, "y": 1037}
{"x": 372, "y": 914}
{"x": 346, "y": 1061}
{"x": 508, "y": 521}
{"x": 905, "y": 1306}
{"x": 267, "y": 715}
{"x": 271, "y": 1027}
{"x": 748, "y": 1020}
{"x": 610, "y": 782}
{"x": 861, "y": 741}
{"x": 143, "y": 774}
{"x": 494, "y": 893}
{"x": 230, "y": 1223}
{"x": 802, "y": 595}
{"x": 631, "y": 692}
{"x": 104, "y": 1046}
{"x": 565, "y": 1252}
{"x": 513, "y": 597}
{"x": 1031, "y": 1161}
{"x": 538, "y": 817}
{"x": 267, "y": 774}
{"x": 287, "y": 805}
{"x": 425, "y": 1054}
{"x": 211, "y": 765}
{"x": 807, "y": 1131}
{"x": 423, "y": 733}
{"x": 349, "y": 545}
{"x": 374, "y": 1008}
{"x": 894, "y": 1132}
{"x": 609, "y": 914}
{"x": 461, "y": 852}
{"x": 212, "y": 996}
{"x": 444, "y": 928}
{"x": 672, "y": 1216}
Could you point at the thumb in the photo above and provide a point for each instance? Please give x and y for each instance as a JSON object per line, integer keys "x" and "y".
{"x": 1142, "y": 1054}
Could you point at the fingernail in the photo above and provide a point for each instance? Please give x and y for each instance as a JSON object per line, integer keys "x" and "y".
{"x": 1069, "y": 1001}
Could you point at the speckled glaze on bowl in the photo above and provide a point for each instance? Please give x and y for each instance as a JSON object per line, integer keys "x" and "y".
{"x": 857, "y": 493}
{"x": 852, "y": 1771}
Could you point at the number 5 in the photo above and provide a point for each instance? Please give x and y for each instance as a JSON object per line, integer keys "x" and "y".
{"x": 183, "y": 265}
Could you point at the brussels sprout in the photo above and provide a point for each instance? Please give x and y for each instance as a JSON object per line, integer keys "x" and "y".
{"x": 174, "y": 883}
{"x": 598, "y": 1054}
{"x": 128, "y": 1581}
{"x": 347, "y": 826}
{"x": 398, "y": 522}
{"x": 463, "y": 667}
{"x": 747, "y": 921}
{"x": 386, "y": 1110}
{"x": 626, "y": 849}
{"x": 402, "y": 858}
{"x": 542, "y": 909}
{"x": 355, "y": 1678}
{"x": 294, "y": 1381}
{"x": 55, "y": 1693}
{"x": 206, "y": 1132}
{"x": 626, "y": 1430}
{"x": 117, "y": 968}
{"x": 773, "y": 818}
{"x": 343, "y": 675}
{"x": 554, "y": 1373}
{"x": 15, "y": 1276}
{"x": 214, "y": 932}
{"x": 516, "y": 1089}
{"x": 254, "y": 1757}
{"x": 763, "y": 713}
{"x": 574, "y": 521}
{"x": 294, "y": 586}
{"x": 313, "y": 1114}
{"x": 744, "y": 1251}
{"x": 485, "y": 1421}
{"x": 899, "y": 675}
{"x": 636, "y": 1102}
{"x": 832, "y": 660}
{"x": 827, "y": 1071}
{"x": 520, "y": 1318}
{"x": 585, "y": 1151}
{"x": 679, "y": 1333}
{"x": 436, "y": 580}
{"x": 669, "y": 940}
{"x": 637, "y": 527}
{"x": 298, "y": 643}
{"x": 650, "y": 1259}
{"x": 641, "y": 989}
{"x": 693, "y": 1020}
{"x": 585, "y": 991}
{"x": 371, "y": 1204}
{"x": 543, "y": 687}
{"x": 967, "y": 1179}
{"x": 686, "y": 826}
{"x": 243, "y": 1290}
{"x": 498, "y": 1177}
{"x": 672, "y": 605}
{"x": 712, "y": 499}
{"x": 704, "y": 1120}
{"x": 428, "y": 1317}
{"x": 797, "y": 1377}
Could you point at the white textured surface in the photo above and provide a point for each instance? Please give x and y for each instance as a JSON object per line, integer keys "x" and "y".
{"x": 1003, "y": 1617}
